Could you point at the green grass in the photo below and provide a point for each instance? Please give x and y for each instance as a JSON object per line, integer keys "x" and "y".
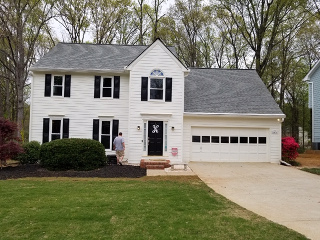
{"x": 312, "y": 170}
{"x": 147, "y": 208}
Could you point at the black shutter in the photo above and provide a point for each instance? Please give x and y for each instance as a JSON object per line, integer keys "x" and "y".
{"x": 65, "y": 127}
{"x": 95, "y": 132}
{"x": 168, "y": 90}
{"x": 45, "y": 131}
{"x": 97, "y": 80}
{"x": 144, "y": 89}
{"x": 47, "y": 87}
{"x": 116, "y": 86}
{"x": 67, "y": 85}
{"x": 115, "y": 129}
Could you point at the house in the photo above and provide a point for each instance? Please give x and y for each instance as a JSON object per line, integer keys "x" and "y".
{"x": 164, "y": 109}
{"x": 313, "y": 80}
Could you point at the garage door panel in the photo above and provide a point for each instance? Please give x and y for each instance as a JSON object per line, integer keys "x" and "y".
{"x": 230, "y": 144}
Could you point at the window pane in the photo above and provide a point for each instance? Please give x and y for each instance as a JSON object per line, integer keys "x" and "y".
{"x": 243, "y": 139}
{"x": 106, "y": 92}
{"x": 252, "y": 139}
{"x": 234, "y": 139}
{"x": 105, "y": 140}
{"x": 195, "y": 138}
{"x": 205, "y": 139}
{"x": 107, "y": 82}
{"x": 262, "y": 140}
{"x": 156, "y": 83}
{"x": 57, "y": 91}
{"x": 224, "y": 139}
{"x": 156, "y": 94}
{"x": 55, "y": 136}
{"x": 105, "y": 127}
{"x": 58, "y": 80}
{"x": 56, "y": 126}
{"x": 215, "y": 139}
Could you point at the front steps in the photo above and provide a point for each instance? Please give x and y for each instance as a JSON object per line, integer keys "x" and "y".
{"x": 154, "y": 164}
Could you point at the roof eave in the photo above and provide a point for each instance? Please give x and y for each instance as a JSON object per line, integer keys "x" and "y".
{"x": 247, "y": 115}
{"x": 83, "y": 70}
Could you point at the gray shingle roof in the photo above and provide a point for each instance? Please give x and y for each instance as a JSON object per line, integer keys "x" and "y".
{"x": 90, "y": 56}
{"x": 227, "y": 91}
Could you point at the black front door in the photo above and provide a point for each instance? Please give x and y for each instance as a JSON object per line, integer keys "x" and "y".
{"x": 155, "y": 136}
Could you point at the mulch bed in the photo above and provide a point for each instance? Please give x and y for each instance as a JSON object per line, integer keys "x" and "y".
{"x": 35, "y": 170}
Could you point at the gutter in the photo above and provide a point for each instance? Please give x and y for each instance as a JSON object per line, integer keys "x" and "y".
{"x": 35, "y": 69}
{"x": 251, "y": 115}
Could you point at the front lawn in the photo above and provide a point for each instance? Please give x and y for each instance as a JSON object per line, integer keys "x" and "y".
{"x": 312, "y": 170}
{"x": 146, "y": 208}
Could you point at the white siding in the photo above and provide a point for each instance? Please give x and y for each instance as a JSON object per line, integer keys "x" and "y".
{"x": 172, "y": 112}
{"x": 81, "y": 108}
{"x": 272, "y": 125}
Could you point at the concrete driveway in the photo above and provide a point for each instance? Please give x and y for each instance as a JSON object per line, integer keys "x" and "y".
{"x": 284, "y": 195}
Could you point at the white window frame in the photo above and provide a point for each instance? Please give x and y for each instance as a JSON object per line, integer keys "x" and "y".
{"x": 156, "y": 74}
{"x": 101, "y": 86}
{"x": 100, "y": 131}
{"x": 53, "y": 85}
{"x": 50, "y": 127}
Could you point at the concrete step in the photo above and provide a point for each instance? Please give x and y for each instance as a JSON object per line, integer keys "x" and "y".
{"x": 155, "y": 166}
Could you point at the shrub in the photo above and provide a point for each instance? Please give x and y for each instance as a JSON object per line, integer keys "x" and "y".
{"x": 289, "y": 149}
{"x": 72, "y": 153}
{"x": 31, "y": 153}
{"x": 9, "y": 144}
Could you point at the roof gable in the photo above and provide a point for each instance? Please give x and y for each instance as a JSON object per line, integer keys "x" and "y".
{"x": 158, "y": 42}
{"x": 311, "y": 72}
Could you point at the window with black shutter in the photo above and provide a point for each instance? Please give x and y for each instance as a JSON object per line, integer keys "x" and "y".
{"x": 57, "y": 85}
{"x": 105, "y": 131}
{"x": 55, "y": 128}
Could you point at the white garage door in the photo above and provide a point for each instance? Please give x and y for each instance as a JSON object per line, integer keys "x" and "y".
{"x": 229, "y": 144}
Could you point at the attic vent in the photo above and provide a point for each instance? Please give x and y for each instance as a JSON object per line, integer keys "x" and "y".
{"x": 156, "y": 72}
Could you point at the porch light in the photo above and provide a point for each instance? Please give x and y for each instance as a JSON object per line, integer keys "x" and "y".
{"x": 138, "y": 127}
{"x": 172, "y": 128}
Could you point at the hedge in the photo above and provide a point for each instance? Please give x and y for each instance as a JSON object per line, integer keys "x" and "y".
{"x": 30, "y": 154}
{"x": 72, "y": 153}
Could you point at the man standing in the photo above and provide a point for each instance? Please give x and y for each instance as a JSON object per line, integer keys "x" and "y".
{"x": 118, "y": 145}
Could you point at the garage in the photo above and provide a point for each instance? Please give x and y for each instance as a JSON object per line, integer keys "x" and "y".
{"x": 229, "y": 144}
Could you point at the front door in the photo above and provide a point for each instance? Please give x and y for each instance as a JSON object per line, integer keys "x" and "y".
{"x": 155, "y": 137}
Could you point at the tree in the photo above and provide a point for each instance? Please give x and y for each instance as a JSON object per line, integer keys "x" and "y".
{"x": 106, "y": 16}
{"x": 190, "y": 18}
{"x": 141, "y": 12}
{"x": 9, "y": 143}
{"x": 154, "y": 15}
{"x": 260, "y": 21}
{"x": 22, "y": 22}
{"x": 73, "y": 15}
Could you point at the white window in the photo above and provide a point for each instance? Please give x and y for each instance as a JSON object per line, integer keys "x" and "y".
{"x": 156, "y": 85}
{"x": 105, "y": 134}
{"x": 56, "y": 129}
{"x": 57, "y": 85}
{"x": 106, "y": 87}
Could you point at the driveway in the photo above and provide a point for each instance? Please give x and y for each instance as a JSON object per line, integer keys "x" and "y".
{"x": 284, "y": 195}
